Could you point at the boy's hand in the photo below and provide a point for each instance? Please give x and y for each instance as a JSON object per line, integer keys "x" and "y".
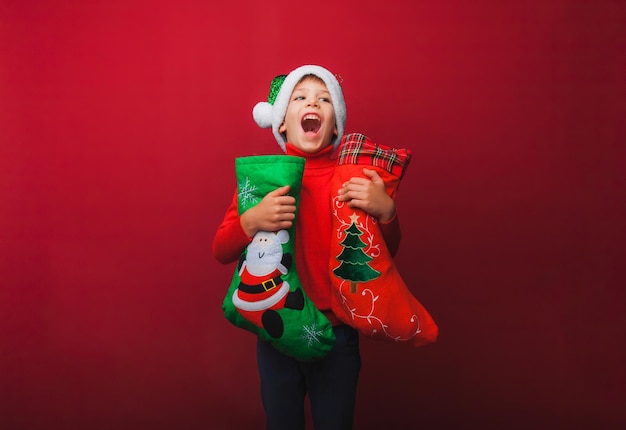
{"x": 276, "y": 211}
{"x": 369, "y": 194}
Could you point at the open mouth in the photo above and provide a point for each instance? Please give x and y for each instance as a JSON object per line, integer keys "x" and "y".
{"x": 311, "y": 123}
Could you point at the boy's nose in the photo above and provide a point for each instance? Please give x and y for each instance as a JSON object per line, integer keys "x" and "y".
{"x": 312, "y": 102}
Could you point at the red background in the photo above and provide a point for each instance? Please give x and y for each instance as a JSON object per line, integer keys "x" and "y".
{"x": 119, "y": 123}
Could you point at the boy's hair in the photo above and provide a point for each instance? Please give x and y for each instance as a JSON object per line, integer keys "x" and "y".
{"x": 311, "y": 77}
{"x": 272, "y": 113}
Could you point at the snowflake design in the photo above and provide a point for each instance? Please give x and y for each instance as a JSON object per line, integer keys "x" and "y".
{"x": 246, "y": 193}
{"x": 311, "y": 334}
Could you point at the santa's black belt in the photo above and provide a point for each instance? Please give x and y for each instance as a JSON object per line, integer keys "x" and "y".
{"x": 268, "y": 285}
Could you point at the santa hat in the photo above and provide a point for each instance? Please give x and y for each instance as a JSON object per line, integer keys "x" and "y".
{"x": 272, "y": 112}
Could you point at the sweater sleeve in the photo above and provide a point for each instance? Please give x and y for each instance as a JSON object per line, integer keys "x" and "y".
{"x": 230, "y": 239}
{"x": 391, "y": 234}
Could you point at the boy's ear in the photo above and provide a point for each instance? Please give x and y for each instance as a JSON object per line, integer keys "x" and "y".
{"x": 282, "y": 128}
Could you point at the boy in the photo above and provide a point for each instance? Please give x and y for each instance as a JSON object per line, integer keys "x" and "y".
{"x": 307, "y": 116}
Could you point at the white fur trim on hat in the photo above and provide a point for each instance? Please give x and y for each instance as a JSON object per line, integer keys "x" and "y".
{"x": 266, "y": 115}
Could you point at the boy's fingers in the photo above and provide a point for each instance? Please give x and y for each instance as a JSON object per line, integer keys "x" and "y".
{"x": 284, "y": 190}
{"x": 280, "y": 191}
{"x": 356, "y": 181}
{"x": 372, "y": 174}
{"x": 287, "y": 207}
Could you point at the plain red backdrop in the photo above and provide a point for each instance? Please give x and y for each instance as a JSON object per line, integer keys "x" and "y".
{"x": 119, "y": 124}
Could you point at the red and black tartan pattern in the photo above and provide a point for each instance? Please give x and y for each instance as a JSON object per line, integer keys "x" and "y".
{"x": 358, "y": 149}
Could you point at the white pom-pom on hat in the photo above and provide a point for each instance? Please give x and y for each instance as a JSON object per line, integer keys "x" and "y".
{"x": 262, "y": 114}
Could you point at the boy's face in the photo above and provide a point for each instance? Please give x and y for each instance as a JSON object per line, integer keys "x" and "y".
{"x": 309, "y": 122}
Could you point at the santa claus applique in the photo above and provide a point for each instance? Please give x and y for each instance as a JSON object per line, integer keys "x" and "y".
{"x": 262, "y": 290}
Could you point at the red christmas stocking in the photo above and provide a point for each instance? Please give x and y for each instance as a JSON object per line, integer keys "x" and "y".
{"x": 368, "y": 292}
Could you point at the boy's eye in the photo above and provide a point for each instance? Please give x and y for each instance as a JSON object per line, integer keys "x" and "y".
{"x": 298, "y": 98}
{"x": 325, "y": 99}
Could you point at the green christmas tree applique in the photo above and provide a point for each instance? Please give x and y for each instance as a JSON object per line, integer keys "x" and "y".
{"x": 353, "y": 260}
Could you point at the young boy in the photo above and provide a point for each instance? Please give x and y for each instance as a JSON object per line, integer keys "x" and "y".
{"x": 307, "y": 118}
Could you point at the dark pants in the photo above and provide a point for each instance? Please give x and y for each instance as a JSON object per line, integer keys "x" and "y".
{"x": 330, "y": 382}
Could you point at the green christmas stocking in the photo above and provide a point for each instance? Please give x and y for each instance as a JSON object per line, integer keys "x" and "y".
{"x": 368, "y": 292}
{"x": 265, "y": 296}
